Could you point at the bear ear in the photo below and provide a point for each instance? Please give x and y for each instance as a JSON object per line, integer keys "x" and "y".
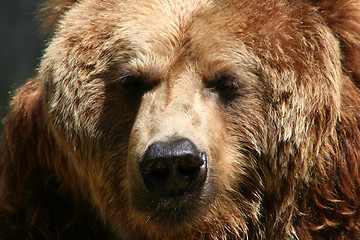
{"x": 343, "y": 17}
{"x": 50, "y": 13}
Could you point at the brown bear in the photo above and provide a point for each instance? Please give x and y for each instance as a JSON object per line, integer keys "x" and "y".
{"x": 188, "y": 119}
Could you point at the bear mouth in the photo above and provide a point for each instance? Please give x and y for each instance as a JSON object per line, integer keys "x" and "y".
{"x": 169, "y": 210}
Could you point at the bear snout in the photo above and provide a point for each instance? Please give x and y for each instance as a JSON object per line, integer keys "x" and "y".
{"x": 171, "y": 169}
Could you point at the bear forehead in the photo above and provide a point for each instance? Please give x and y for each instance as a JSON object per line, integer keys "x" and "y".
{"x": 147, "y": 20}
{"x": 156, "y": 33}
{"x": 163, "y": 33}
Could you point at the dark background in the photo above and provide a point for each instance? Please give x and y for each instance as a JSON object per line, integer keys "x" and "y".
{"x": 20, "y": 49}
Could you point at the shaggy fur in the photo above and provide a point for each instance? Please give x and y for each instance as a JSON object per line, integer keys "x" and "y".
{"x": 268, "y": 89}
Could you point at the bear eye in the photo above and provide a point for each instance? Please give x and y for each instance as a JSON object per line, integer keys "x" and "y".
{"x": 135, "y": 84}
{"x": 226, "y": 85}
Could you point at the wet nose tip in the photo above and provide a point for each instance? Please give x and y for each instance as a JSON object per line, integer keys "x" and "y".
{"x": 172, "y": 168}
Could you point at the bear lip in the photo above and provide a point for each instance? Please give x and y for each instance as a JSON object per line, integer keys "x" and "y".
{"x": 169, "y": 210}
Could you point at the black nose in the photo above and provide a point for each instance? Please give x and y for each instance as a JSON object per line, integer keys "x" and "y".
{"x": 172, "y": 168}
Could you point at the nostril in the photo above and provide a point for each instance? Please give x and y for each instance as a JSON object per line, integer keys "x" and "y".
{"x": 188, "y": 171}
{"x": 190, "y": 166}
{"x": 156, "y": 170}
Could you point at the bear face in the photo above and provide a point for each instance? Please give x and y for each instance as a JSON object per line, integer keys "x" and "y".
{"x": 158, "y": 97}
{"x": 201, "y": 119}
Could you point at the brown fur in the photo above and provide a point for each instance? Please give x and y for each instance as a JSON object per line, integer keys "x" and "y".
{"x": 282, "y": 135}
